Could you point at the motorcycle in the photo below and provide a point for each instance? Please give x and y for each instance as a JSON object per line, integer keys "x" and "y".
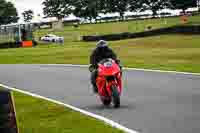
{"x": 109, "y": 82}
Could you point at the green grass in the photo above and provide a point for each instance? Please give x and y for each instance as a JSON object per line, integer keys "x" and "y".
{"x": 73, "y": 34}
{"x": 167, "y": 52}
{"x": 39, "y": 116}
{"x": 194, "y": 20}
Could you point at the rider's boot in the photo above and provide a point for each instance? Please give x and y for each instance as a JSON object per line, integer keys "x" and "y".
{"x": 95, "y": 89}
{"x": 93, "y": 81}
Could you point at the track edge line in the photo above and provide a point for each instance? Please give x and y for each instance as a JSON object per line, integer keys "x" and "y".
{"x": 98, "y": 117}
{"x": 129, "y": 68}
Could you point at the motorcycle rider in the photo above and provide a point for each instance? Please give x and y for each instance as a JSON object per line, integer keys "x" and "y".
{"x": 102, "y": 51}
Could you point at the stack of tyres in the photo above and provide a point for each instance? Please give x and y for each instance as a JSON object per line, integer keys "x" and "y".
{"x": 8, "y": 122}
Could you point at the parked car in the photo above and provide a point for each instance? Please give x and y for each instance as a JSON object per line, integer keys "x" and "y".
{"x": 52, "y": 38}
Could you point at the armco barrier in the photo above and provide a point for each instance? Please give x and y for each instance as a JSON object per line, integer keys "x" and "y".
{"x": 8, "y": 122}
{"x": 193, "y": 29}
{"x": 10, "y": 45}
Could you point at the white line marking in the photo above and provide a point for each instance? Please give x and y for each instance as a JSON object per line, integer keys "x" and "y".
{"x": 128, "y": 68}
{"x": 107, "y": 121}
{"x": 110, "y": 122}
{"x": 161, "y": 71}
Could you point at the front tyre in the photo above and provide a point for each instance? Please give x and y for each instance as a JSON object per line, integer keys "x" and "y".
{"x": 115, "y": 96}
{"x": 106, "y": 102}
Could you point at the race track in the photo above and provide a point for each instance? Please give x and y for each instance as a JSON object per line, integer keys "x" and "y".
{"x": 152, "y": 102}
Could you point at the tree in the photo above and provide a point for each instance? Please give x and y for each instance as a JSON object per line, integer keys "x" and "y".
{"x": 57, "y": 8}
{"x": 8, "y": 13}
{"x": 183, "y": 4}
{"x": 121, "y": 7}
{"x": 28, "y": 15}
{"x": 198, "y": 5}
{"x": 88, "y": 9}
{"x": 112, "y": 6}
{"x": 136, "y": 6}
{"x": 155, "y": 5}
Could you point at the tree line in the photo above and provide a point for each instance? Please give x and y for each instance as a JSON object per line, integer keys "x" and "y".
{"x": 90, "y": 9}
{"x": 8, "y": 12}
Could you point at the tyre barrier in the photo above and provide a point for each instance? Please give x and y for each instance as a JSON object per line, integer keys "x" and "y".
{"x": 8, "y": 123}
{"x": 10, "y": 45}
{"x": 184, "y": 29}
{"x": 18, "y": 44}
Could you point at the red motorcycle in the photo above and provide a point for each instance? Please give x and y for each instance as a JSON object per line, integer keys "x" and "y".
{"x": 109, "y": 82}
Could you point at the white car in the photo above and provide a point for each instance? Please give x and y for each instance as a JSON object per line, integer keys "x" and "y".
{"x": 52, "y": 38}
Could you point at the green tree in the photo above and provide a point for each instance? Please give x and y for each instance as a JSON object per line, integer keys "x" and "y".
{"x": 88, "y": 9}
{"x": 136, "y": 6}
{"x": 28, "y": 15}
{"x": 112, "y": 6}
{"x": 8, "y": 13}
{"x": 198, "y": 5}
{"x": 57, "y": 8}
{"x": 155, "y": 5}
{"x": 183, "y": 4}
{"x": 121, "y": 7}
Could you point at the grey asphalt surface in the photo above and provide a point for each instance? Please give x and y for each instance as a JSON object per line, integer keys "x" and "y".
{"x": 152, "y": 102}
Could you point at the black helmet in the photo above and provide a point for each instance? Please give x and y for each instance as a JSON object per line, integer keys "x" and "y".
{"x": 102, "y": 43}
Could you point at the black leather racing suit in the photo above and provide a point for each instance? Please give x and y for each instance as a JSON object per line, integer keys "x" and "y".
{"x": 97, "y": 55}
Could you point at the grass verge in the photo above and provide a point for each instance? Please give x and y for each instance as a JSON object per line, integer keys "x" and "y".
{"x": 73, "y": 34}
{"x": 40, "y": 116}
{"x": 168, "y": 52}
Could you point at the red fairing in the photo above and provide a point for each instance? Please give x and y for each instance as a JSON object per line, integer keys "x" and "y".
{"x": 104, "y": 86}
{"x": 101, "y": 82}
{"x": 119, "y": 81}
{"x": 108, "y": 71}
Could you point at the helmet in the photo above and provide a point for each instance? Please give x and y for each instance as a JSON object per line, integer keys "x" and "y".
{"x": 102, "y": 43}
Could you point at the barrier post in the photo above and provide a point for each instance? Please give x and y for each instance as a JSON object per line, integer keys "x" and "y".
{"x": 8, "y": 123}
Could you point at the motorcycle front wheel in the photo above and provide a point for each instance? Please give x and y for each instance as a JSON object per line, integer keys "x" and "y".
{"x": 115, "y": 96}
{"x": 106, "y": 102}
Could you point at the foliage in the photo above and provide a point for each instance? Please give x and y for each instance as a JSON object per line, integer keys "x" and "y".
{"x": 155, "y": 5}
{"x": 28, "y": 15}
{"x": 8, "y": 13}
{"x": 57, "y": 8}
{"x": 88, "y": 9}
{"x": 183, "y": 4}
